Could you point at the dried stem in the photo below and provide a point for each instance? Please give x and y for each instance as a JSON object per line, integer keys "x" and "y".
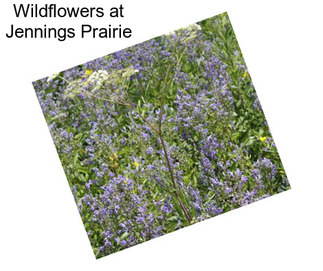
{"x": 171, "y": 173}
{"x": 170, "y": 169}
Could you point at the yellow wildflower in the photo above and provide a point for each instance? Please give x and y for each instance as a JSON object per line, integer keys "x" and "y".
{"x": 245, "y": 74}
{"x": 88, "y": 72}
{"x": 136, "y": 164}
{"x": 115, "y": 165}
{"x": 113, "y": 157}
{"x": 263, "y": 139}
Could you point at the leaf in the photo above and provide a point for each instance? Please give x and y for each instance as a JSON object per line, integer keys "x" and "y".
{"x": 75, "y": 161}
{"x": 173, "y": 218}
{"x": 124, "y": 236}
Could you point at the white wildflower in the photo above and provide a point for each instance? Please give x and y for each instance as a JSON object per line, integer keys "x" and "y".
{"x": 127, "y": 73}
{"x": 50, "y": 78}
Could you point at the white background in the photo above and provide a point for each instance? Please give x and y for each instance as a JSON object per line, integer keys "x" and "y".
{"x": 40, "y": 228}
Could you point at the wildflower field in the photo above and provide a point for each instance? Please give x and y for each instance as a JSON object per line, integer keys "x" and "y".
{"x": 161, "y": 135}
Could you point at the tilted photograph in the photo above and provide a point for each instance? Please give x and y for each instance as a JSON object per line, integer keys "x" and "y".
{"x": 161, "y": 135}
